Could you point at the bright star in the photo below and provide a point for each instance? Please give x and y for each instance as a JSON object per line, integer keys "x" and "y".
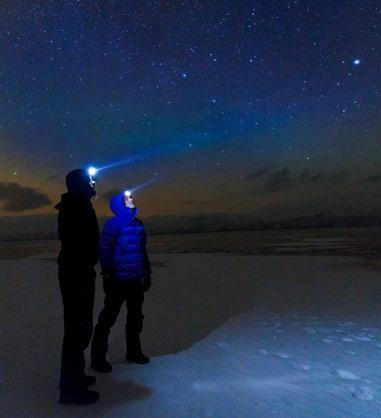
{"x": 357, "y": 61}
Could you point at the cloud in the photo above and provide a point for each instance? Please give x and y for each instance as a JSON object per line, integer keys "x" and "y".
{"x": 206, "y": 202}
{"x": 190, "y": 202}
{"x": 16, "y": 198}
{"x": 373, "y": 178}
{"x": 285, "y": 178}
{"x": 195, "y": 202}
{"x": 338, "y": 176}
{"x": 307, "y": 176}
{"x": 317, "y": 177}
{"x": 258, "y": 173}
{"x": 280, "y": 180}
{"x": 52, "y": 178}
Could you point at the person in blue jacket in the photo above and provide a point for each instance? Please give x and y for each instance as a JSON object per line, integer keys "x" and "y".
{"x": 126, "y": 276}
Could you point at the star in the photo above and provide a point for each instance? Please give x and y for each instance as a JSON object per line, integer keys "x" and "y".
{"x": 357, "y": 61}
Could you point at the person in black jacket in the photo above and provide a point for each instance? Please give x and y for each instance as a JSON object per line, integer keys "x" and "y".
{"x": 79, "y": 235}
{"x": 126, "y": 276}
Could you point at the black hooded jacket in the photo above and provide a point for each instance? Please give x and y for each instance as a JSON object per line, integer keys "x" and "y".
{"x": 78, "y": 231}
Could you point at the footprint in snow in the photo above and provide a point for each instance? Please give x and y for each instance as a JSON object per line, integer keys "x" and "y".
{"x": 346, "y": 324}
{"x": 304, "y": 367}
{"x": 347, "y": 339}
{"x": 365, "y": 393}
{"x": 309, "y": 330}
{"x": 282, "y": 355}
{"x": 346, "y": 375}
{"x": 221, "y": 345}
{"x": 362, "y": 338}
{"x": 323, "y": 329}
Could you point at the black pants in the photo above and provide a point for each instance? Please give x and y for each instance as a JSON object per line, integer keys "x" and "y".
{"x": 77, "y": 285}
{"x": 116, "y": 294}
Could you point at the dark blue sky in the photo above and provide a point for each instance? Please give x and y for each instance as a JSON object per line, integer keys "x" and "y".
{"x": 271, "y": 107}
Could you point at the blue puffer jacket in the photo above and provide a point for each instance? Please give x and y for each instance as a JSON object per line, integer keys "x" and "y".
{"x": 123, "y": 243}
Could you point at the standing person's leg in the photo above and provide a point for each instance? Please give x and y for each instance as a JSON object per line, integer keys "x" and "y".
{"x": 114, "y": 300}
{"x": 77, "y": 290}
{"x": 134, "y": 324}
{"x": 87, "y": 311}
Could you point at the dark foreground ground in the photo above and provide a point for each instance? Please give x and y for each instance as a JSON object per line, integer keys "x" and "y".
{"x": 229, "y": 335}
{"x": 274, "y": 324}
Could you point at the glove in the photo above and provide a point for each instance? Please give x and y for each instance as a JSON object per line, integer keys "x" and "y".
{"x": 146, "y": 282}
{"x": 108, "y": 279}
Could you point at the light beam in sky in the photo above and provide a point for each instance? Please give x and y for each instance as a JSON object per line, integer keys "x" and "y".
{"x": 143, "y": 185}
{"x": 165, "y": 149}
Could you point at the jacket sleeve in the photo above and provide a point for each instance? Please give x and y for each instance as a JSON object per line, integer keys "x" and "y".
{"x": 147, "y": 263}
{"x": 108, "y": 241}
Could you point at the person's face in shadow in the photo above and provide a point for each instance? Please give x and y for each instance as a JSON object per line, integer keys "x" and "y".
{"x": 79, "y": 182}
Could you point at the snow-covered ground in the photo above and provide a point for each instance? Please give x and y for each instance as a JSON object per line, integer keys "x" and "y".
{"x": 229, "y": 336}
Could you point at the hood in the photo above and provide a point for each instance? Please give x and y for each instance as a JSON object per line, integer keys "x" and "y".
{"x": 72, "y": 199}
{"x": 118, "y": 208}
{"x": 79, "y": 182}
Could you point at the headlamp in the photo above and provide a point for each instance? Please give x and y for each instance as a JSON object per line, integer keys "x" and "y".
{"x": 92, "y": 171}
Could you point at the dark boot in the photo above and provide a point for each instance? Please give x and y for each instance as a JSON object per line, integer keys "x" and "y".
{"x": 81, "y": 396}
{"x": 134, "y": 351}
{"x": 101, "y": 365}
{"x": 138, "y": 358}
{"x": 87, "y": 380}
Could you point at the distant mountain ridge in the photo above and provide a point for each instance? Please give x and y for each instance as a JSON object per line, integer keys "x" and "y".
{"x": 244, "y": 222}
{"x": 40, "y": 227}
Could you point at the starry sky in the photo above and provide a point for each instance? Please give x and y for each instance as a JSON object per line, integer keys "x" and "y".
{"x": 263, "y": 107}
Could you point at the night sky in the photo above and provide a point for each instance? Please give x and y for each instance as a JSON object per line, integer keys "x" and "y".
{"x": 263, "y": 107}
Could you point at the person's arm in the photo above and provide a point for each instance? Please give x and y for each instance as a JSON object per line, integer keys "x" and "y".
{"x": 107, "y": 244}
{"x": 108, "y": 241}
{"x": 147, "y": 264}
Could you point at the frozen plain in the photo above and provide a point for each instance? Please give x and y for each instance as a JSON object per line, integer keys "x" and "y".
{"x": 229, "y": 336}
